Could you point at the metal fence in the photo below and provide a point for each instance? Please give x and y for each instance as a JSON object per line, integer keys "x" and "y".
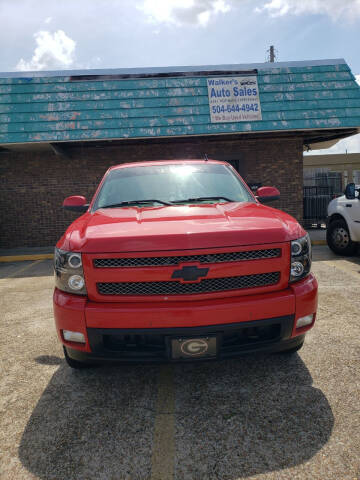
{"x": 316, "y": 201}
{"x": 320, "y": 187}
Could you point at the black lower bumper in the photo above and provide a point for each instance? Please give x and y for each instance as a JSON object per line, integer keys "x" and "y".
{"x": 154, "y": 345}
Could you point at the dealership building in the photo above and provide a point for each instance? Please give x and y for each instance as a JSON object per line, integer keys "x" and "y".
{"x": 60, "y": 131}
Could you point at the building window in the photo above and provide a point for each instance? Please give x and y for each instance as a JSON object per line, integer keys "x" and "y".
{"x": 356, "y": 177}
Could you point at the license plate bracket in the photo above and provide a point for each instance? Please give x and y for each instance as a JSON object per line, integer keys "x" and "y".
{"x": 193, "y": 348}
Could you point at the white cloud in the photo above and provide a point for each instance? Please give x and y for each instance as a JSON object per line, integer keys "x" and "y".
{"x": 349, "y": 145}
{"x": 53, "y": 50}
{"x": 179, "y": 12}
{"x": 48, "y": 20}
{"x": 201, "y": 12}
{"x": 334, "y": 8}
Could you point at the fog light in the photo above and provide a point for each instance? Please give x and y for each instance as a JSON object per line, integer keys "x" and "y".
{"x": 297, "y": 269}
{"x": 76, "y": 282}
{"x": 74, "y": 336}
{"x": 303, "y": 321}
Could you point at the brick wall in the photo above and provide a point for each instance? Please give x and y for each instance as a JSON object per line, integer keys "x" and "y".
{"x": 34, "y": 184}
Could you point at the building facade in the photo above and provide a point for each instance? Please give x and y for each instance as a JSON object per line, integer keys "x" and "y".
{"x": 60, "y": 131}
{"x": 344, "y": 166}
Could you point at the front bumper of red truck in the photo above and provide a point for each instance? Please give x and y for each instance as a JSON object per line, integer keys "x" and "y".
{"x": 145, "y": 331}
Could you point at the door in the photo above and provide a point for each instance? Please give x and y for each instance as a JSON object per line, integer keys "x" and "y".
{"x": 351, "y": 209}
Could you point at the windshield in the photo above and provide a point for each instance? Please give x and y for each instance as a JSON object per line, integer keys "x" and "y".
{"x": 168, "y": 184}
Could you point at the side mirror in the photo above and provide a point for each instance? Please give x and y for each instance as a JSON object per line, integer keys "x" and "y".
{"x": 267, "y": 194}
{"x": 75, "y": 203}
{"x": 350, "y": 191}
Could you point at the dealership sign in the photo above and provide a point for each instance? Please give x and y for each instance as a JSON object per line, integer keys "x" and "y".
{"x": 234, "y": 99}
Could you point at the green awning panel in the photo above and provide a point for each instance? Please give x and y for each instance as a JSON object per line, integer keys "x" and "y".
{"x": 147, "y": 103}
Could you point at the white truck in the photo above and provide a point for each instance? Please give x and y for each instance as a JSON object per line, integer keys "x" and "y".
{"x": 343, "y": 223}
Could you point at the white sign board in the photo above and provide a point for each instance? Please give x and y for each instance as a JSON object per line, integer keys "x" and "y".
{"x": 234, "y": 99}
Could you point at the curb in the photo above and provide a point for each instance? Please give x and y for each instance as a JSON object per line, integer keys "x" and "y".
{"x": 318, "y": 242}
{"x": 23, "y": 258}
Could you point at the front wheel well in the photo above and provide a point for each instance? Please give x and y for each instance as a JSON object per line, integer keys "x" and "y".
{"x": 336, "y": 216}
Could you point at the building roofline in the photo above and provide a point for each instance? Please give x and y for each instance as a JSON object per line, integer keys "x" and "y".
{"x": 175, "y": 69}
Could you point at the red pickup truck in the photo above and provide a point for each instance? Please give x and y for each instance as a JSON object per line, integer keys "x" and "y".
{"x": 178, "y": 261}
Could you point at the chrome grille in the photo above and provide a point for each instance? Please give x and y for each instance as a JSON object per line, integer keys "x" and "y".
{"x": 166, "y": 261}
{"x": 206, "y": 285}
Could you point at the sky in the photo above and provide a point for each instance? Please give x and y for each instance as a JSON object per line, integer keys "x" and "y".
{"x": 84, "y": 34}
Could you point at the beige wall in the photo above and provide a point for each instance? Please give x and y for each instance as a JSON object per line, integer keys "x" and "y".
{"x": 346, "y": 163}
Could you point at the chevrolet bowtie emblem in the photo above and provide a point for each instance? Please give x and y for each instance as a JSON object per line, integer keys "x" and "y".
{"x": 190, "y": 274}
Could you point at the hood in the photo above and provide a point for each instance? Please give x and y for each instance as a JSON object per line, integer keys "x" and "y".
{"x": 133, "y": 229}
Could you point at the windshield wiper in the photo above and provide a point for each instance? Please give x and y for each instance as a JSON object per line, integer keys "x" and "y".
{"x": 186, "y": 200}
{"x": 200, "y": 199}
{"x": 135, "y": 202}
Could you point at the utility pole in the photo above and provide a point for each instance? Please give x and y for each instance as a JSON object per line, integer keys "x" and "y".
{"x": 272, "y": 54}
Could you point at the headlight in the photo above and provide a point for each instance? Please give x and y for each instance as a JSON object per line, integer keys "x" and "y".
{"x": 300, "y": 258}
{"x": 69, "y": 275}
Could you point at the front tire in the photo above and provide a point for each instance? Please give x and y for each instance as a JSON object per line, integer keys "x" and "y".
{"x": 293, "y": 350}
{"x": 338, "y": 238}
{"x": 75, "y": 363}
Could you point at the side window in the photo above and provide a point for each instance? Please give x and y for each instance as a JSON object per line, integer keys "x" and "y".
{"x": 356, "y": 177}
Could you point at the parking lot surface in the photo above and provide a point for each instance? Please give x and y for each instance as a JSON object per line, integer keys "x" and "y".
{"x": 256, "y": 417}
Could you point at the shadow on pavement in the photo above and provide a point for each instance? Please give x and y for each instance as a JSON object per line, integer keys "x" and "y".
{"x": 233, "y": 419}
{"x": 48, "y": 360}
{"x": 92, "y": 424}
{"x": 248, "y": 416}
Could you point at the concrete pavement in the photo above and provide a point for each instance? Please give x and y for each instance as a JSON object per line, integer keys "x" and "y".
{"x": 260, "y": 417}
